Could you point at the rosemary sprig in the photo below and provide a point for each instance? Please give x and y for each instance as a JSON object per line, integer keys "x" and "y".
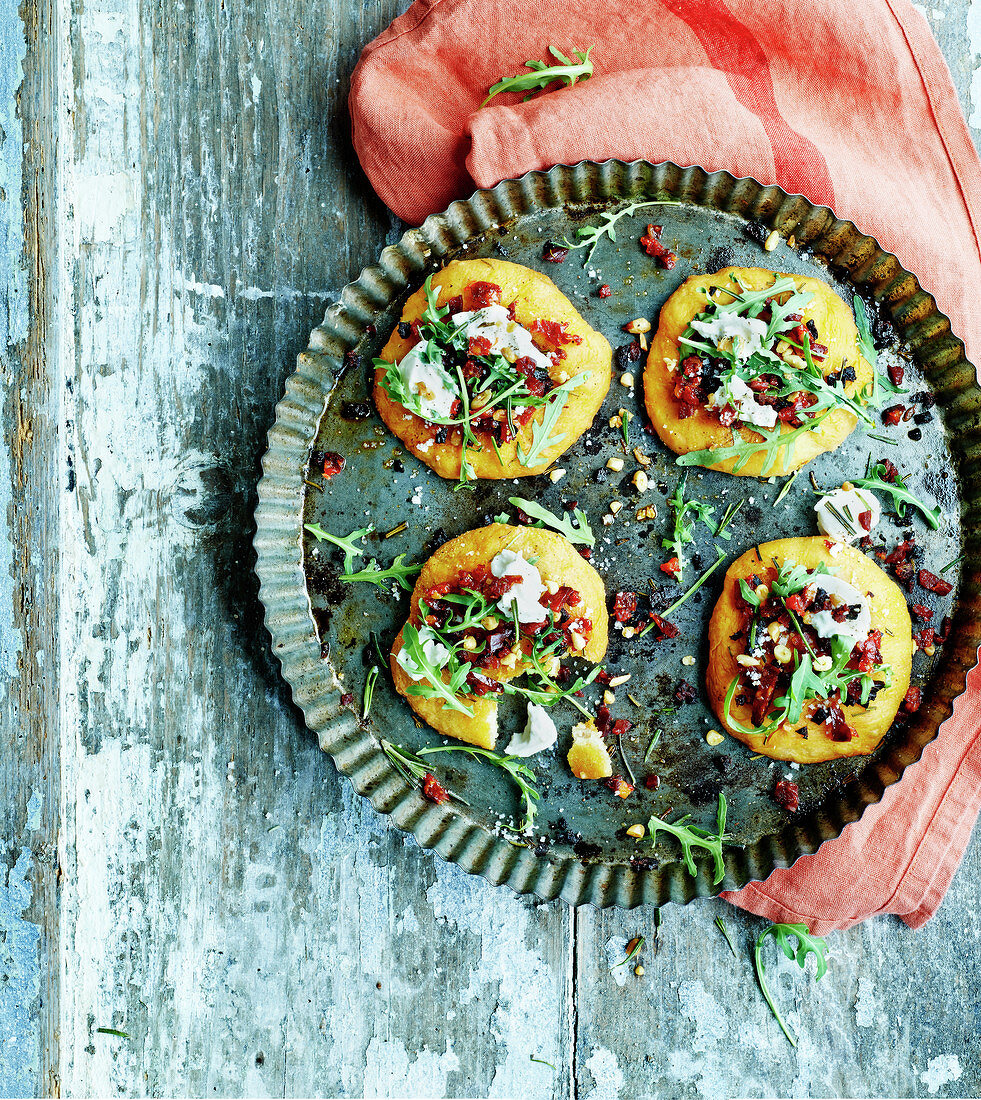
{"x": 951, "y": 564}
{"x": 785, "y": 488}
{"x": 721, "y": 925}
{"x": 652, "y": 744}
{"x": 727, "y": 518}
{"x": 578, "y": 532}
{"x": 634, "y": 951}
{"x": 541, "y": 75}
{"x": 524, "y": 778}
{"x": 591, "y": 235}
{"x": 691, "y": 837}
{"x": 806, "y": 945}
{"x": 112, "y": 1031}
{"x": 369, "y": 690}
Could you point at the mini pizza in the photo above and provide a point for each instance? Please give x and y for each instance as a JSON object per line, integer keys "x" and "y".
{"x": 491, "y": 372}
{"x": 755, "y": 373}
{"x": 487, "y": 607}
{"x": 810, "y": 650}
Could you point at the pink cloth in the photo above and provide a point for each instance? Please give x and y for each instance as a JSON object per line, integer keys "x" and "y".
{"x": 850, "y": 105}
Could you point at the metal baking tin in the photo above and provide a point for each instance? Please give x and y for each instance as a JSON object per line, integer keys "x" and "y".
{"x": 320, "y": 629}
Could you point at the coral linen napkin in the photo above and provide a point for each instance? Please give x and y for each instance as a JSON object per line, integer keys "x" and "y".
{"x": 849, "y": 104}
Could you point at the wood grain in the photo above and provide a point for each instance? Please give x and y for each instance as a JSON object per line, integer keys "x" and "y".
{"x": 190, "y": 204}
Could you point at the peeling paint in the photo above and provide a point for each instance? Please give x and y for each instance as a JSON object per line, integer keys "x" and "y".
{"x": 607, "y": 1075}
{"x": 20, "y": 982}
{"x": 941, "y": 1071}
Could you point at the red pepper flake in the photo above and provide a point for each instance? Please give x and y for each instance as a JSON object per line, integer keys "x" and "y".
{"x": 333, "y": 464}
{"x": 924, "y": 614}
{"x": 901, "y": 552}
{"x": 926, "y": 638}
{"x": 890, "y": 473}
{"x": 651, "y": 244}
{"x": 685, "y": 693}
{"x": 347, "y": 699}
{"x": 624, "y": 606}
{"x": 787, "y": 795}
{"x": 671, "y": 566}
{"x": 896, "y": 374}
{"x": 434, "y": 790}
{"x": 554, "y": 253}
{"x": 619, "y": 786}
{"x": 865, "y": 519}
{"x": 604, "y": 291}
{"x": 652, "y": 782}
{"x": 621, "y": 726}
{"x": 478, "y": 345}
{"x": 912, "y": 700}
{"x": 932, "y": 583}
{"x": 663, "y": 628}
{"x": 798, "y": 601}
{"x": 584, "y": 552}
{"x": 892, "y": 415}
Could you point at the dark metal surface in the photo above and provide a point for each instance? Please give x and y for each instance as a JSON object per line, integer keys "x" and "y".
{"x": 581, "y": 853}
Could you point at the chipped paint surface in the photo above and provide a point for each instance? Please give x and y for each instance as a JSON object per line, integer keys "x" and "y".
{"x": 941, "y": 1071}
{"x": 20, "y": 984}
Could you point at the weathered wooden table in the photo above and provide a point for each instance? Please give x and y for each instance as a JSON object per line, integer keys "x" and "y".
{"x": 179, "y": 201}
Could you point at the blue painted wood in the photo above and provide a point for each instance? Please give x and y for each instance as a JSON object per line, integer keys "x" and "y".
{"x": 180, "y": 201}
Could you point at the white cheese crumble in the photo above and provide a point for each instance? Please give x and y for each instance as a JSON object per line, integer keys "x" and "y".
{"x": 423, "y": 374}
{"x": 745, "y": 334}
{"x": 738, "y": 394}
{"x": 526, "y": 595}
{"x": 494, "y": 324}
{"x": 850, "y": 503}
{"x": 539, "y": 733}
{"x": 435, "y": 652}
{"x": 856, "y": 630}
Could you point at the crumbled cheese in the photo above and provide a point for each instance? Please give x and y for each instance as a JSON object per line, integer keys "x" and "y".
{"x": 850, "y": 503}
{"x": 526, "y": 595}
{"x": 423, "y": 374}
{"x": 822, "y": 621}
{"x": 539, "y": 733}
{"x": 738, "y": 394}
{"x": 435, "y": 653}
{"x": 745, "y": 334}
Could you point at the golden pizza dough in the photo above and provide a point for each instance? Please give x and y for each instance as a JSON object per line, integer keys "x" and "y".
{"x": 836, "y": 330}
{"x": 889, "y": 614}
{"x": 536, "y": 297}
{"x": 556, "y": 560}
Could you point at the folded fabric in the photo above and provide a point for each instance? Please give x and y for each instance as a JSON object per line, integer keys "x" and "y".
{"x": 850, "y": 105}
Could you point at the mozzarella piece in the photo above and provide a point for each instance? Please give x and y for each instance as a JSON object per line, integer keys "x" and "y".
{"x": 526, "y": 595}
{"x": 494, "y": 324}
{"x": 856, "y": 630}
{"x": 744, "y": 333}
{"x": 435, "y": 652}
{"x": 539, "y": 733}
{"x": 743, "y": 400}
{"x": 850, "y": 503}
{"x": 424, "y": 375}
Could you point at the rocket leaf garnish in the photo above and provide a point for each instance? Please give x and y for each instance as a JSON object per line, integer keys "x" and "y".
{"x": 541, "y": 75}
{"x": 691, "y": 837}
{"x": 578, "y": 532}
{"x": 806, "y": 945}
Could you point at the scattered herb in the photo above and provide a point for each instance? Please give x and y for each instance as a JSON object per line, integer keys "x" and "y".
{"x": 634, "y": 951}
{"x": 691, "y": 591}
{"x": 578, "y": 532}
{"x": 721, "y": 925}
{"x": 626, "y": 763}
{"x": 374, "y": 574}
{"x": 871, "y": 356}
{"x": 686, "y": 514}
{"x": 112, "y": 1031}
{"x": 410, "y": 767}
{"x": 541, "y": 75}
{"x": 344, "y": 542}
{"x": 625, "y": 418}
{"x": 652, "y": 744}
{"x": 806, "y": 945}
{"x": 785, "y": 489}
{"x": 951, "y": 564}
{"x": 369, "y": 690}
{"x": 591, "y": 235}
{"x": 541, "y": 431}
{"x": 542, "y": 1062}
{"x": 727, "y": 518}
{"x": 901, "y": 496}
{"x": 691, "y": 837}
{"x": 514, "y": 766}
{"x": 884, "y": 439}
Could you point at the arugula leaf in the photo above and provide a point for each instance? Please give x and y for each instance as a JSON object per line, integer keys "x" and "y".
{"x": 691, "y": 837}
{"x": 774, "y": 441}
{"x": 374, "y": 574}
{"x": 541, "y": 75}
{"x": 580, "y": 533}
{"x": 748, "y": 594}
{"x": 347, "y": 543}
{"x": 541, "y": 432}
{"x": 524, "y": 778}
{"x": 867, "y": 347}
{"x": 686, "y": 514}
{"x": 901, "y": 496}
{"x": 591, "y": 235}
{"x": 807, "y": 944}
{"x": 432, "y": 685}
